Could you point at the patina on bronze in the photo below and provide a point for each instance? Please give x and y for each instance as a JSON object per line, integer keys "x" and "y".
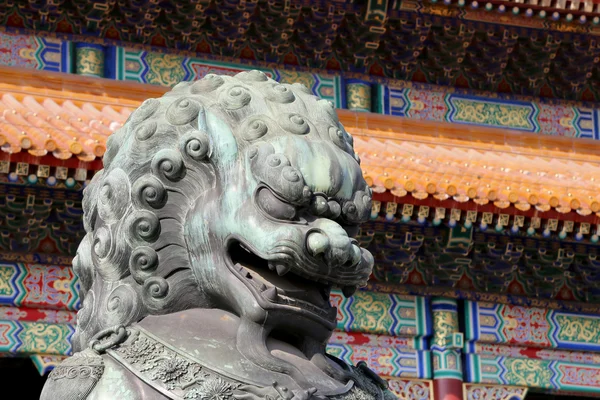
{"x": 225, "y": 213}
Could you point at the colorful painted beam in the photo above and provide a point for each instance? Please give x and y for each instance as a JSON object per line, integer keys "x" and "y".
{"x": 167, "y": 70}
{"x": 589, "y": 358}
{"x": 443, "y": 104}
{"x": 459, "y": 293}
{"x": 36, "y": 52}
{"x": 37, "y": 315}
{"x": 542, "y": 374}
{"x": 387, "y": 361}
{"x": 532, "y": 347}
{"x": 367, "y": 339}
{"x": 35, "y": 338}
{"x": 382, "y": 314}
{"x": 38, "y": 286}
{"x": 529, "y": 326}
{"x": 393, "y": 356}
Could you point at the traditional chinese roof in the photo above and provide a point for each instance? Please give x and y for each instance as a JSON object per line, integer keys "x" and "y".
{"x": 529, "y": 47}
{"x": 483, "y": 173}
{"x": 400, "y": 156}
{"x": 57, "y": 119}
{"x": 456, "y": 207}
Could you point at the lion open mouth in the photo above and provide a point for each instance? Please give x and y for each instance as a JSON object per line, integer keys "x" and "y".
{"x": 279, "y": 288}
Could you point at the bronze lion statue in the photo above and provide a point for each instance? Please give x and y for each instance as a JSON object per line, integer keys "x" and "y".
{"x": 224, "y": 214}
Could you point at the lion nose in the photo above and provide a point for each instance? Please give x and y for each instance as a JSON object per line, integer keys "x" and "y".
{"x": 337, "y": 251}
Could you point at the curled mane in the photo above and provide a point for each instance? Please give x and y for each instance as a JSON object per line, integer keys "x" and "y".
{"x": 134, "y": 251}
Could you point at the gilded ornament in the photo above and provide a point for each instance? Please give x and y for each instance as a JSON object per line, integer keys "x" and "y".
{"x": 492, "y": 114}
{"x": 358, "y": 96}
{"x": 89, "y": 61}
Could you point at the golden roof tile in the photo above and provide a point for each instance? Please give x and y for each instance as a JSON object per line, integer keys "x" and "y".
{"x": 69, "y": 116}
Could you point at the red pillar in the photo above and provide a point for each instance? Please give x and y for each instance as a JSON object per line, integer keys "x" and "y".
{"x": 447, "y": 389}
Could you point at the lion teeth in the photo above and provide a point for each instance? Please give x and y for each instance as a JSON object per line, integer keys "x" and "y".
{"x": 329, "y": 313}
{"x": 270, "y": 294}
{"x": 271, "y": 266}
{"x": 282, "y": 269}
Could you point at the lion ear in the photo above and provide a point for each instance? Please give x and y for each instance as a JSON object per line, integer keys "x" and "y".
{"x": 223, "y": 145}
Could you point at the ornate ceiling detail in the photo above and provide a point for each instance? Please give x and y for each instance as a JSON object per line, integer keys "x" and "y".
{"x": 449, "y": 44}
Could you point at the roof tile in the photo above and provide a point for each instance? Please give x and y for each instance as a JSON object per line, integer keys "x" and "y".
{"x": 396, "y": 157}
{"x": 502, "y": 177}
{"x": 40, "y": 124}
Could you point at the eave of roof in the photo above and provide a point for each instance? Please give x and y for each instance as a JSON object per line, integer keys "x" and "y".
{"x": 72, "y": 116}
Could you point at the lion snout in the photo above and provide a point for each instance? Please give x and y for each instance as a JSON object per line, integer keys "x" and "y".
{"x": 335, "y": 248}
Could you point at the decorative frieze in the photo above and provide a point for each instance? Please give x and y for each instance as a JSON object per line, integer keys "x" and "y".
{"x": 382, "y": 314}
{"x": 493, "y": 392}
{"x": 541, "y": 374}
{"x": 39, "y": 286}
{"x": 89, "y": 59}
{"x": 35, "y": 338}
{"x": 529, "y": 326}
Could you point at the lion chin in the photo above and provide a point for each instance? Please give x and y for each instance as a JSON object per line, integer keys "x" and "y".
{"x": 226, "y": 212}
{"x": 296, "y": 318}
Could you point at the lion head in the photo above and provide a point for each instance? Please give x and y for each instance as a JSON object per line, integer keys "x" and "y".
{"x": 237, "y": 193}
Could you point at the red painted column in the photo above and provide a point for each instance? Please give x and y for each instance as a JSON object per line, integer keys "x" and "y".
{"x": 446, "y": 344}
{"x": 447, "y": 389}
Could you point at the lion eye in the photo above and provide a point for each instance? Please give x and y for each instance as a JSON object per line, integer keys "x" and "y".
{"x": 275, "y": 207}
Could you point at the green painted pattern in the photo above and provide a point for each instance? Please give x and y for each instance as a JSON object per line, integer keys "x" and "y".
{"x": 533, "y": 373}
{"x": 35, "y": 338}
{"x": 358, "y": 97}
{"x": 6, "y": 275}
{"x": 510, "y": 371}
{"x": 167, "y": 69}
{"x": 164, "y": 69}
{"x": 382, "y": 314}
{"x": 89, "y": 61}
{"x": 492, "y": 114}
{"x": 530, "y": 373}
{"x": 577, "y": 329}
{"x": 447, "y": 364}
